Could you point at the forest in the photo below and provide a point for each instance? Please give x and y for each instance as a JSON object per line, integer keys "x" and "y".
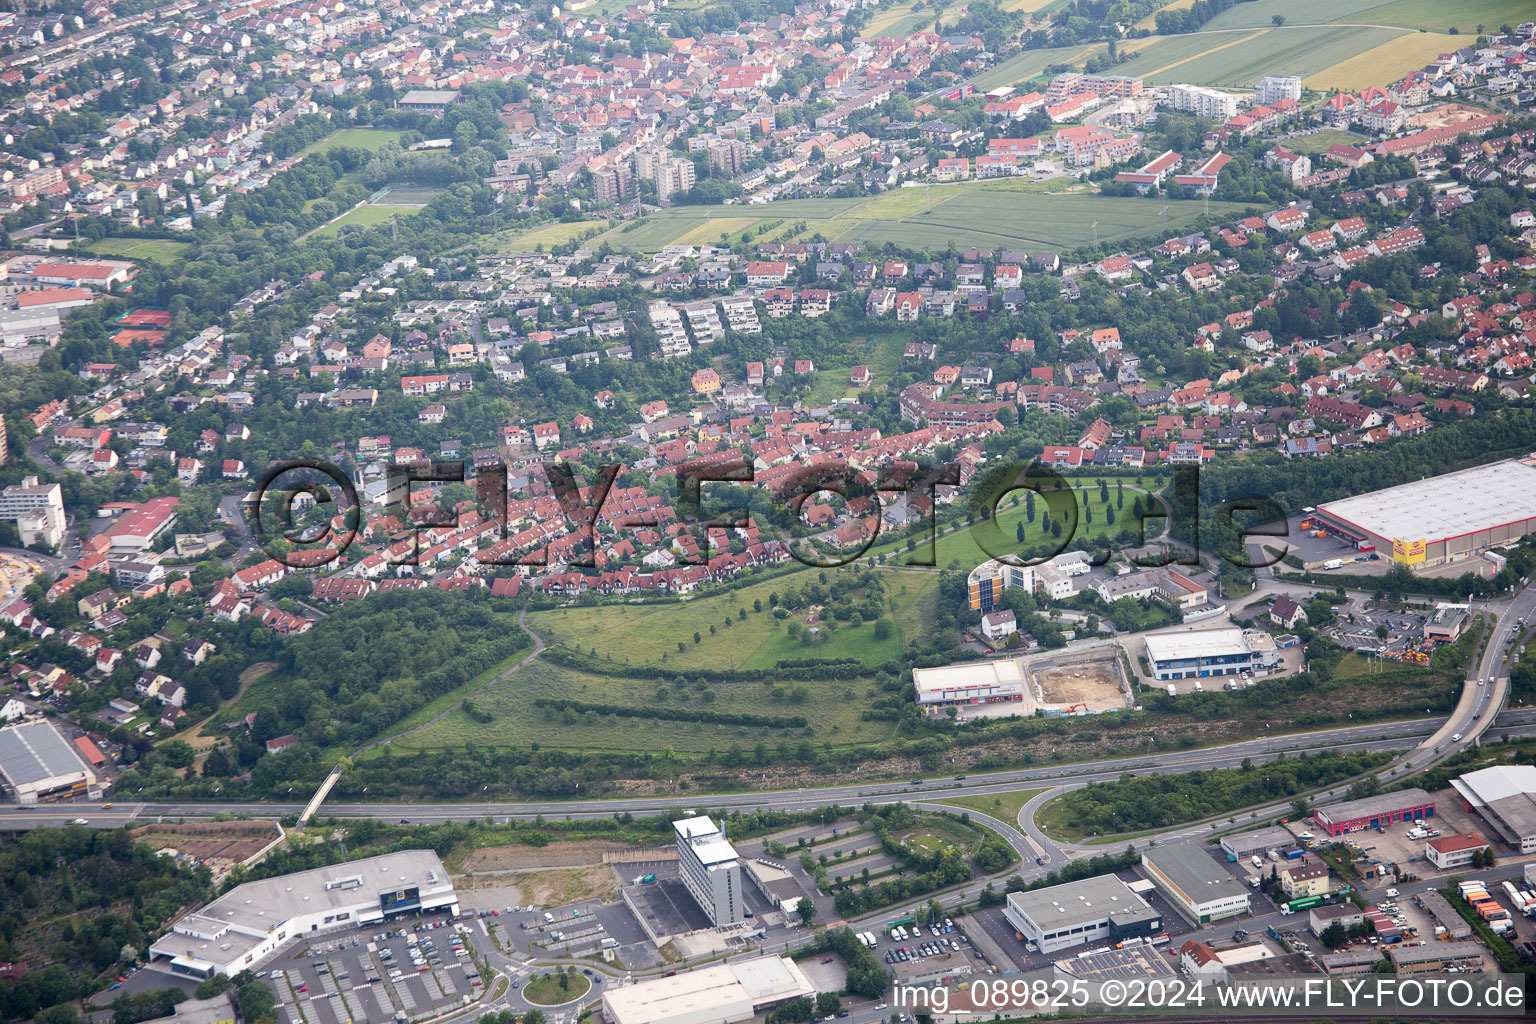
{"x": 1152, "y": 801}
{"x": 83, "y": 901}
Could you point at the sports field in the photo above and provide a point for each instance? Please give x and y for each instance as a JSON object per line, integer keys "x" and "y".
{"x": 160, "y": 250}
{"x": 367, "y": 216}
{"x": 361, "y": 138}
{"x": 978, "y": 213}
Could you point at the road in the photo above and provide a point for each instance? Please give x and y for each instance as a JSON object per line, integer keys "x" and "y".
{"x": 1377, "y": 736}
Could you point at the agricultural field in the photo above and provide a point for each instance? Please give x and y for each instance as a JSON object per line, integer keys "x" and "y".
{"x": 1384, "y": 63}
{"x": 1439, "y": 16}
{"x": 1029, "y": 64}
{"x": 1240, "y": 58}
{"x": 361, "y": 138}
{"x": 547, "y": 235}
{"x": 1258, "y": 14}
{"x": 369, "y": 215}
{"x": 980, "y": 213}
{"x": 157, "y": 250}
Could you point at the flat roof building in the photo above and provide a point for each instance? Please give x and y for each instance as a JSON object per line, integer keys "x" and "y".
{"x": 1143, "y": 961}
{"x": 1257, "y": 843}
{"x": 928, "y": 971}
{"x": 1202, "y": 889}
{"x": 1444, "y": 915}
{"x": 1435, "y": 956}
{"x": 1351, "y": 961}
{"x": 1206, "y": 653}
{"x": 722, "y": 994}
{"x": 976, "y": 682}
{"x": 1442, "y": 518}
{"x": 1369, "y": 812}
{"x": 37, "y": 765}
{"x": 1090, "y": 910}
{"x": 710, "y": 869}
{"x": 1505, "y": 796}
{"x": 252, "y": 921}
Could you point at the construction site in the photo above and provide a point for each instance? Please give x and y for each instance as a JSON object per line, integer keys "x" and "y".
{"x": 1082, "y": 681}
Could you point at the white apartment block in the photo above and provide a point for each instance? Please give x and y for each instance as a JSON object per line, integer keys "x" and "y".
{"x": 1277, "y": 87}
{"x": 1202, "y": 102}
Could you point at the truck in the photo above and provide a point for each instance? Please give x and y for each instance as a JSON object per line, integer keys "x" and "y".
{"x": 1333, "y": 563}
{"x": 609, "y": 943}
{"x": 1173, "y": 691}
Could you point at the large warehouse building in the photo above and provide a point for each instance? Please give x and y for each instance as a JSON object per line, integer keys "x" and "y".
{"x": 1442, "y": 518}
{"x": 722, "y": 994}
{"x": 37, "y": 765}
{"x": 1207, "y": 653}
{"x": 252, "y": 921}
{"x": 1368, "y": 812}
{"x": 1203, "y": 889}
{"x": 977, "y": 682}
{"x": 1097, "y": 909}
{"x": 1505, "y": 795}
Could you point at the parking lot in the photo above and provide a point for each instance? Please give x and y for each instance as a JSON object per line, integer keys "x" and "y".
{"x": 362, "y": 975}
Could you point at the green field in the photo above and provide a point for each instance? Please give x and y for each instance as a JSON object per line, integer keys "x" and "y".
{"x": 160, "y": 250}
{"x": 361, "y": 138}
{"x": 832, "y": 707}
{"x": 1464, "y": 15}
{"x": 1005, "y": 806}
{"x": 981, "y": 213}
{"x": 1029, "y": 64}
{"x": 367, "y": 216}
{"x": 1241, "y": 57}
{"x": 1258, "y": 13}
{"x": 648, "y": 634}
{"x": 1318, "y": 142}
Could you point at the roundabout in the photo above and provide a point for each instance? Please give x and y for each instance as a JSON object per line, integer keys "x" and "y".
{"x": 557, "y": 988}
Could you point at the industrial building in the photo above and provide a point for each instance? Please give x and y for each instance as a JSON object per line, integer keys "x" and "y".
{"x": 777, "y": 885}
{"x": 1368, "y": 812}
{"x": 723, "y": 994}
{"x": 252, "y": 921}
{"x": 1144, "y": 961}
{"x": 1505, "y": 796}
{"x": 1435, "y": 957}
{"x": 37, "y": 765}
{"x": 930, "y": 971}
{"x": 1208, "y": 653}
{"x": 1448, "y": 923}
{"x": 1204, "y": 890}
{"x": 1352, "y": 961}
{"x": 1439, "y": 519}
{"x": 1098, "y": 909}
{"x": 975, "y": 682}
{"x": 1257, "y": 843}
{"x": 710, "y": 869}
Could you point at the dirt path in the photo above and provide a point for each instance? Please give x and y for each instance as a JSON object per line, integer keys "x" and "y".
{"x": 202, "y": 742}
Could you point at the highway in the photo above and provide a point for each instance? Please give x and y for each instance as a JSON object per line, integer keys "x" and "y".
{"x": 1390, "y": 736}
